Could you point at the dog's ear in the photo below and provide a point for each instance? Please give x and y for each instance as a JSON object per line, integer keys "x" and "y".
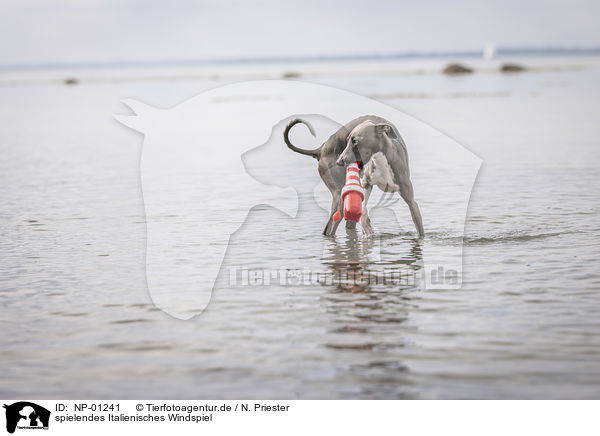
{"x": 386, "y": 129}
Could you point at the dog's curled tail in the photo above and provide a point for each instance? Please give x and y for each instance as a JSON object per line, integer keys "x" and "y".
{"x": 316, "y": 153}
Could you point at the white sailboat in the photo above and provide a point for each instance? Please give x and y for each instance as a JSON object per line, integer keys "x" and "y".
{"x": 489, "y": 51}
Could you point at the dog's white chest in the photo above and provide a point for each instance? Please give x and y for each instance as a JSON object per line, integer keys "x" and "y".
{"x": 378, "y": 172}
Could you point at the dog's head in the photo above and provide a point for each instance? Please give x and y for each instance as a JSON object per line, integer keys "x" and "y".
{"x": 364, "y": 141}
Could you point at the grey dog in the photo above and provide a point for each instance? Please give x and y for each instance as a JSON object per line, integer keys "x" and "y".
{"x": 376, "y": 145}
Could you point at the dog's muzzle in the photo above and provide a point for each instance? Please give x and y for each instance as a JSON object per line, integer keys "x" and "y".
{"x": 341, "y": 163}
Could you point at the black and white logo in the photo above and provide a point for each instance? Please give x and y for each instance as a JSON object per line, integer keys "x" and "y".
{"x": 26, "y": 415}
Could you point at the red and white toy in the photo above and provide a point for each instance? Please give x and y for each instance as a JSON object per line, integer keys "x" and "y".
{"x": 353, "y": 195}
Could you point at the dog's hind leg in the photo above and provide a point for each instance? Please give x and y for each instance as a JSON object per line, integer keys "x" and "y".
{"x": 336, "y": 224}
{"x": 407, "y": 194}
{"x": 331, "y": 225}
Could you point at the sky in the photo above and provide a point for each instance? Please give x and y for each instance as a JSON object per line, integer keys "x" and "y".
{"x": 106, "y": 31}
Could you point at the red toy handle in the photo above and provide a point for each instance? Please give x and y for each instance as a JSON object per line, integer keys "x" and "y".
{"x": 353, "y": 206}
{"x": 353, "y": 195}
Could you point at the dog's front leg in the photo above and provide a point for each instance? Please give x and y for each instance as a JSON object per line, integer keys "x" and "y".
{"x": 365, "y": 221}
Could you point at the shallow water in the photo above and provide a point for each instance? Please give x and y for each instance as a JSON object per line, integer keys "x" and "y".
{"x": 78, "y": 320}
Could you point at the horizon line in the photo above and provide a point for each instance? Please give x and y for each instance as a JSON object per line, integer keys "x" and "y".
{"x": 500, "y": 51}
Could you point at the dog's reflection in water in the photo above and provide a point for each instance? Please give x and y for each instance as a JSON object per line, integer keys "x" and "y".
{"x": 358, "y": 263}
{"x": 368, "y": 304}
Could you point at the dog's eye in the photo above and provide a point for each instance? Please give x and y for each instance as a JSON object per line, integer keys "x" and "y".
{"x": 354, "y": 141}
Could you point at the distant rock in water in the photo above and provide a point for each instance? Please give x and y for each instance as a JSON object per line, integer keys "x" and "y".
{"x": 457, "y": 69}
{"x": 512, "y": 68}
{"x": 291, "y": 75}
{"x": 71, "y": 81}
